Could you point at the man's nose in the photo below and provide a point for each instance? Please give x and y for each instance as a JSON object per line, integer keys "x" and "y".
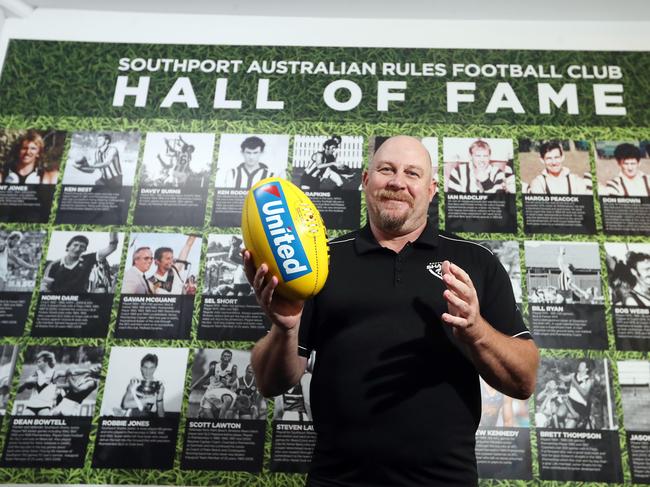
{"x": 397, "y": 181}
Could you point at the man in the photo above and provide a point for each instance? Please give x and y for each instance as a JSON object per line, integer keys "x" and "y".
{"x": 42, "y": 385}
{"x": 145, "y": 397}
{"x": 249, "y": 403}
{"x": 27, "y": 166}
{"x": 630, "y": 180}
{"x": 71, "y": 274}
{"x": 171, "y": 273}
{"x": 135, "y": 279}
{"x": 107, "y": 162}
{"x": 555, "y": 178}
{"x": 324, "y": 166}
{"x": 567, "y": 286}
{"x": 219, "y": 396}
{"x": 480, "y": 175}
{"x": 9, "y": 257}
{"x": 249, "y": 172}
{"x": 639, "y": 264}
{"x": 396, "y": 343}
{"x": 80, "y": 382}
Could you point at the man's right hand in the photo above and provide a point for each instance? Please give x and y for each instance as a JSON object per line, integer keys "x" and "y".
{"x": 282, "y": 312}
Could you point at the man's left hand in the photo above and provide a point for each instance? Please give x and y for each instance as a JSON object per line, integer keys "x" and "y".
{"x": 463, "y": 314}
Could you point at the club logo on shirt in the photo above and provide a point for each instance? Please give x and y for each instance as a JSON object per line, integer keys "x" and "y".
{"x": 435, "y": 268}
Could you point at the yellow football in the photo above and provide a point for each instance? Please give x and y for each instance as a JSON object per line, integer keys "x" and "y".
{"x": 282, "y": 227}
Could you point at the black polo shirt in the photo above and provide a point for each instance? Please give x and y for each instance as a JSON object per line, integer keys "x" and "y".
{"x": 395, "y": 400}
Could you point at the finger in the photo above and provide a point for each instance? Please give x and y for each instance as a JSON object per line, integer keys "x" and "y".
{"x": 249, "y": 266}
{"x": 460, "y": 274}
{"x": 458, "y": 287}
{"x": 456, "y": 321}
{"x": 445, "y": 267}
{"x": 258, "y": 280}
{"x": 266, "y": 293}
{"x": 461, "y": 306}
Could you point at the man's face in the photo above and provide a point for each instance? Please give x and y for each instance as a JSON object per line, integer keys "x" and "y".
{"x": 642, "y": 273}
{"x": 480, "y": 158}
{"x": 143, "y": 260}
{"x": 582, "y": 368}
{"x": 252, "y": 156}
{"x": 29, "y": 152}
{"x": 553, "y": 161}
{"x": 330, "y": 149}
{"x": 226, "y": 357}
{"x": 629, "y": 167}
{"x": 76, "y": 248}
{"x": 249, "y": 370}
{"x": 148, "y": 369}
{"x": 166, "y": 261}
{"x": 398, "y": 186}
{"x": 102, "y": 140}
{"x": 41, "y": 363}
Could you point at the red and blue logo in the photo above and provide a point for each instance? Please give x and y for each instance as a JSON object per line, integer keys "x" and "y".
{"x": 279, "y": 229}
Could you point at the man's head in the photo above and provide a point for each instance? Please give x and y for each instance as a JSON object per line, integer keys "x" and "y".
{"x": 252, "y": 149}
{"x": 639, "y": 264}
{"x": 103, "y": 139}
{"x": 164, "y": 258}
{"x": 14, "y": 239}
{"x": 249, "y": 371}
{"x": 30, "y": 148}
{"x": 332, "y": 144}
{"x": 142, "y": 259}
{"x": 45, "y": 359}
{"x": 479, "y": 153}
{"x": 552, "y": 156}
{"x": 399, "y": 186}
{"x": 148, "y": 366}
{"x": 628, "y": 158}
{"x": 226, "y": 356}
{"x": 76, "y": 246}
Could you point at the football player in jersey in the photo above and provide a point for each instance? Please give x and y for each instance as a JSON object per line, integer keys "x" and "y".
{"x": 42, "y": 385}
{"x": 249, "y": 403}
{"x": 145, "y": 397}
{"x": 249, "y": 172}
{"x": 26, "y": 166}
{"x": 80, "y": 382}
{"x": 219, "y": 382}
{"x": 630, "y": 180}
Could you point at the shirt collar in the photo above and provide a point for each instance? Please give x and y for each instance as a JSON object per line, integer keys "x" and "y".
{"x": 365, "y": 240}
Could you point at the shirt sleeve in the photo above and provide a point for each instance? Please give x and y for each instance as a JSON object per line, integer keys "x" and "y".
{"x": 307, "y": 330}
{"x": 498, "y": 304}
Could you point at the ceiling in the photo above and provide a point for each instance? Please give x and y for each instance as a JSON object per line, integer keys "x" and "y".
{"x": 549, "y": 10}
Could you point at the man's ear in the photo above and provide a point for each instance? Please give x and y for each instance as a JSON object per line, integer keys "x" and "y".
{"x": 433, "y": 189}
{"x": 364, "y": 179}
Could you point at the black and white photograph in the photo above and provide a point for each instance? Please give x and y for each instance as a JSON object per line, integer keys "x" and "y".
{"x": 634, "y": 382}
{"x": 53, "y": 406}
{"x": 20, "y": 257}
{"x": 58, "y": 381}
{"x": 566, "y": 301}
{"x": 575, "y": 416}
{"x": 623, "y": 173}
{"x": 431, "y": 144}
{"x": 98, "y": 177}
{"x": 141, "y": 407}
{"x": 223, "y": 393}
{"x": 479, "y": 184}
{"x": 507, "y": 251}
{"x": 174, "y": 178}
{"x": 30, "y": 158}
{"x": 328, "y": 169}
{"x": 246, "y": 159}
{"x": 8, "y": 356}
{"x": 628, "y": 277}
{"x": 293, "y": 437}
{"x": 243, "y": 161}
{"x": 557, "y": 187}
{"x": 223, "y": 386}
{"x": 78, "y": 284}
{"x": 229, "y": 310}
{"x": 502, "y": 440}
{"x": 158, "y": 285}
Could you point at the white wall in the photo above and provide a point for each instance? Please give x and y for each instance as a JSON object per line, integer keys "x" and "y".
{"x": 205, "y": 29}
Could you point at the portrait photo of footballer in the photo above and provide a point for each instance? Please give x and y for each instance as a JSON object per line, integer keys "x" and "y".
{"x": 223, "y": 386}
{"x": 623, "y": 168}
{"x": 507, "y": 251}
{"x": 161, "y": 264}
{"x": 82, "y": 262}
{"x": 224, "y": 267}
{"x": 563, "y": 272}
{"x": 58, "y": 381}
{"x": 176, "y": 160}
{"x": 20, "y": 256}
{"x": 105, "y": 159}
{"x": 628, "y": 273}
{"x": 476, "y": 165}
{"x": 555, "y": 167}
{"x": 144, "y": 382}
{"x": 327, "y": 162}
{"x": 245, "y": 159}
{"x": 30, "y": 156}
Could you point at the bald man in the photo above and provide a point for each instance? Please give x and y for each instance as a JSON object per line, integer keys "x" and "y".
{"x": 408, "y": 319}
